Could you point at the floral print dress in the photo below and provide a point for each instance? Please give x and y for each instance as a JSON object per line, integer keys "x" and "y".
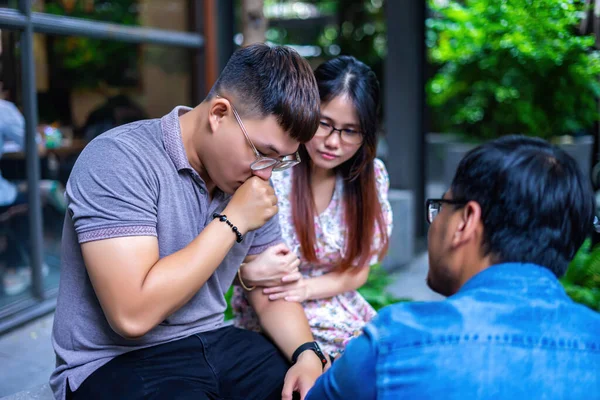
{"x": 336, "y": 320}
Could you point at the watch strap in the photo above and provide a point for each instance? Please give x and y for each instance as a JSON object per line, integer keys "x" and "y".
{"x": 314, "y": 346}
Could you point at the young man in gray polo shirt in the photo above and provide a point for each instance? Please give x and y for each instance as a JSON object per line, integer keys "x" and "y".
{"x": 161, "y": 215}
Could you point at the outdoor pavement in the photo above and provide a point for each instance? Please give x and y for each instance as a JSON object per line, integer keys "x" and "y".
{"x": 27, "y": 358}
{"x": 409, "y": 281}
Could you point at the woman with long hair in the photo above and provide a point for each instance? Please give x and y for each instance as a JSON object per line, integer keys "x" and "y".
{"x": 333, "y": 209}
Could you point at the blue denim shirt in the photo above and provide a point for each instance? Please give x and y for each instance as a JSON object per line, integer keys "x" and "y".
{"x": 511, "y": 332}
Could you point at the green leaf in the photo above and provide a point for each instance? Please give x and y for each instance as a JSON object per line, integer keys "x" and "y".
{"x": 506, "y": 67}
{"x": 582, "y": 280}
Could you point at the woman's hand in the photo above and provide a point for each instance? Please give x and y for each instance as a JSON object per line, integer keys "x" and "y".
{"x": 275, "y": 266}
{"x": 298, "y": 291}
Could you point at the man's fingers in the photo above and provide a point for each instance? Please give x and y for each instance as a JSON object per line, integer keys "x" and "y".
{"x": 303, "y": 387}
{"x": 280, "y": 248}
{"x": 288, "y": 387}
{"x": 273, "y": 199}
{"x": 292, "y": 299}
{"x": 294, "y": 264}
{"x": 273, "y": 211}
{"x": 290, "y": 257}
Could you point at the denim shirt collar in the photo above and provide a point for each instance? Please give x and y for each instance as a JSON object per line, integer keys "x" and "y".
{"x": 524, "y": 278}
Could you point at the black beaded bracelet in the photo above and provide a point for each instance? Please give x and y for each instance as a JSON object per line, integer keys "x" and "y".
{"x": 223, "y": 218}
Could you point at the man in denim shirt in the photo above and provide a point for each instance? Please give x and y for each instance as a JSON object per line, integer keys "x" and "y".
{"x": 517, "y": 211}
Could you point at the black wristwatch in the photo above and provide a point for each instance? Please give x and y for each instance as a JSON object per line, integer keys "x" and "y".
{"x": 314, "y": 346}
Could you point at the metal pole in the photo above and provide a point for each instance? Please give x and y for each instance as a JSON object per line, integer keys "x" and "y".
{"x": 211, "y": 43}
{"x": 31, "y": 151}
{"x": 198, "y": 64}
{"x": 225, "y": 32}
{"x": 405, "y": 100}
{"x": 68, "y": 26}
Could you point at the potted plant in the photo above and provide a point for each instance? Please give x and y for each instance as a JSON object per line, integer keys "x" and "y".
{"x": 506, "y": 67}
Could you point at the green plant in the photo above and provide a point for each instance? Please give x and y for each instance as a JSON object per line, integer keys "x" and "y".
{"x": 511, "y": 66}
{"x": 375, "y": 290}
{"x": 353, "y": 27}
{"x": 229, "y": 311}
{"x": 88, "y": 62}
{"x": 582, "y": 280}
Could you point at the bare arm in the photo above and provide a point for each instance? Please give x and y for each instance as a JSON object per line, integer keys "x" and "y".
{"x": 337, "y": 282}
{"x": 288, "y": 327}
{"x": 137, "y": 290}
{"x": 285, "y": 323}
{"x": 321, "y": 287}
{"x": 288, "y": 332}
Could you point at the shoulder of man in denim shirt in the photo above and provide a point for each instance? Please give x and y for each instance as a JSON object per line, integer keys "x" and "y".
{"x": 515, "y": 214}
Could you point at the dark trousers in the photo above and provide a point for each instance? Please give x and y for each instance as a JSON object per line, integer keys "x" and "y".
{"x": 228, "y": 363}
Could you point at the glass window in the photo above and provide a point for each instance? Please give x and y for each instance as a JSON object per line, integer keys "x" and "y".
{"x": 172, "y": 14}
{"x": 9, "y": 3}
{"x": 15, "y": 267}
{"x": 76, "y": 102}
{"x": 15, "y": 270}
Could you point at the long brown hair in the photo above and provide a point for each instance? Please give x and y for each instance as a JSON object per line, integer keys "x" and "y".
{"x": 363, "y": 212}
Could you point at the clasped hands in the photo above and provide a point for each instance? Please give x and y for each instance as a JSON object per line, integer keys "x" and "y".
{"x": 276, "y": 271}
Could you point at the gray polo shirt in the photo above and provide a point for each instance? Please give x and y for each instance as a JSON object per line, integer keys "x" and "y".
{"x": 135, "y": 180}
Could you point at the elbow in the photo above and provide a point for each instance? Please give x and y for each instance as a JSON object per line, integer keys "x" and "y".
{"x": 129, "y": 328}
{"x": 361, "y": 278}
{"x": 261, "y": 305}
{"x": 362, "y": 281}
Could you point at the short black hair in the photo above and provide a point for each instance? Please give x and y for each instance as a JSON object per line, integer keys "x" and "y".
{"x": 276, "y": 81}
{"x": 537, "y": 205}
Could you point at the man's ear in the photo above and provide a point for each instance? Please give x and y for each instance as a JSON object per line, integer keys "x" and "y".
{"x": 218, "y": 110}
{"x": 469, "y": 224}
